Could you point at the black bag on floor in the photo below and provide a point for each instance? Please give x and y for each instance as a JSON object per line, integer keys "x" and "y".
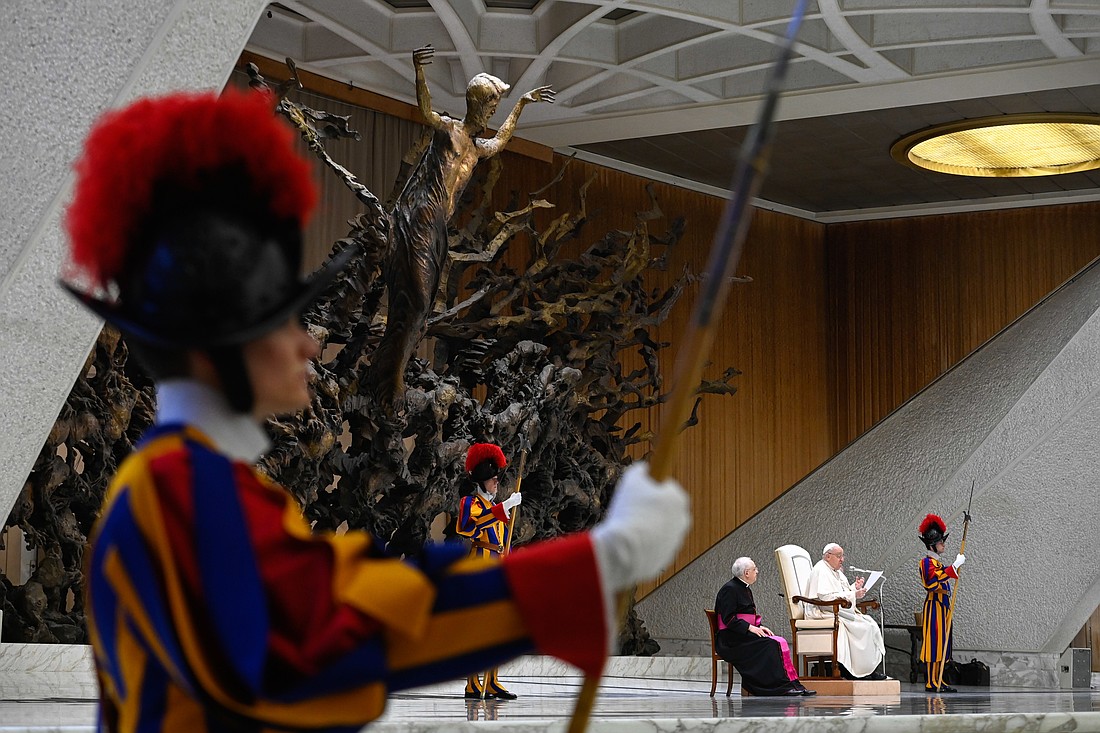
{"x": 972, "y": 673}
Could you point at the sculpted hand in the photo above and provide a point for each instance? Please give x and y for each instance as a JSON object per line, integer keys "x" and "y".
{"x": 514, "y": 500}
{"x": 423, "y": 55}
{"x": 542, "y": 94}
{"x": 959, "y": 560}
{"x": 643, "y": 528}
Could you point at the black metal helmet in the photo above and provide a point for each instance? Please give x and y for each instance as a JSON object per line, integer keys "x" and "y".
{"x": 185, "y": 225}
{"x": 187, "y": 219}
{"x": 484, "y": 461}
{"x": 932, "y": 530}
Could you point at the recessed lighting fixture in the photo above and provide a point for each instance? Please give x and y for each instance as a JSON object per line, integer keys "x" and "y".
{"x": 1005, "y": 146}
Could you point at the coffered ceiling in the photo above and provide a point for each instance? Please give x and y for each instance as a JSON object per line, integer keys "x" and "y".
{"x": 667, "y": 88}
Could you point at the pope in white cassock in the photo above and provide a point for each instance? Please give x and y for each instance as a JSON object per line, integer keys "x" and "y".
{"x": 859, "y": 646}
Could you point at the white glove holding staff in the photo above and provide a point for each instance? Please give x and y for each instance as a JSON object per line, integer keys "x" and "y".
{"x": 514, "y": 500}
{"x": 959, "y": 560}
{"x": 642, "y": 530}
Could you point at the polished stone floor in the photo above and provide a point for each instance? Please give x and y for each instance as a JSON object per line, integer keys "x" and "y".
{"x": 627, "y": 704}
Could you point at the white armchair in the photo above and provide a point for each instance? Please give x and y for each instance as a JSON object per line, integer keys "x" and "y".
{"x": 813, "y": 639}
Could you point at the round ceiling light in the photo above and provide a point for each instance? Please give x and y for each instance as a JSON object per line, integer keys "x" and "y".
{"x": 1005, "y": 146}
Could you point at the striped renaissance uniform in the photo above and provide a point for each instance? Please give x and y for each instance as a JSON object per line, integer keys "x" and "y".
{"x": 212, "y": 606}
{"x": 936, "y": 578}
{"x": 485, "y": 523}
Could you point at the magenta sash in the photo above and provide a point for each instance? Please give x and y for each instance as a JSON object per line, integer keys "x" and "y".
{"x": 785, "y": 652}
{"x": 784, "y": 647}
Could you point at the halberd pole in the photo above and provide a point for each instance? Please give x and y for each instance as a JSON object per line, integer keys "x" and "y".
{"x": 955, "y": 588}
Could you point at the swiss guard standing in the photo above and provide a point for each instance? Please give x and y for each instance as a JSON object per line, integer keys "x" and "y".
{"x": 212, "y": 605}
{"x": 485, "y": 522}
{"x": 936, "y": 576}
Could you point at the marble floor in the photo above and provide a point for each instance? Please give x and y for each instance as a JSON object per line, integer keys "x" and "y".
{"x": 647, "y": 704}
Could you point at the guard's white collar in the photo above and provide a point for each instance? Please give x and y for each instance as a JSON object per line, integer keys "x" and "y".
{"x": 193, "y": 403}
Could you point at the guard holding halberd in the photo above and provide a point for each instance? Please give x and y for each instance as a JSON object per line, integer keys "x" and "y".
{"x": 936, "y": 577}
{"x": 485, "y": 523}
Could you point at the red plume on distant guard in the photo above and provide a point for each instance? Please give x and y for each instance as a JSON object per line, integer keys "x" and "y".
{"x": 482, "y": 452}
{"x": 932, "y": 530}
{"x": 933, "y": 521}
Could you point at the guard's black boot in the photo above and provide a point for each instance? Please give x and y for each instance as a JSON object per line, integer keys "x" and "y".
{"x": 493, "y": 688}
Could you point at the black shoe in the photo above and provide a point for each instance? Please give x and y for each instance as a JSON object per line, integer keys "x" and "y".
{"x": 793, "y": 692}
{"x": 875, "y": 676}
{"x": 474, "y": 695}
{"x": 502, "y": 694}
{"x": 808, "y": 693}
{"x": 941, "y": 688}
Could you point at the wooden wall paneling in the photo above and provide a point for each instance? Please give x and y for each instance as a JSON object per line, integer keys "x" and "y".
{"x": 910, "y": 298}
{"x": 838, "y": 327}
{"x": 1089, "y": 637}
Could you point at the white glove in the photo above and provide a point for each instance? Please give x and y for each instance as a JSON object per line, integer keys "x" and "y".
{"x": 514, "y": 500}
{"x": 642, "y": 530}
{"x": 959, "y": 560}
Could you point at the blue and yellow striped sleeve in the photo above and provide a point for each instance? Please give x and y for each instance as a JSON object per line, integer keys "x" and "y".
{"x": 210, "y": 599}
{"x": 935, "y": 575}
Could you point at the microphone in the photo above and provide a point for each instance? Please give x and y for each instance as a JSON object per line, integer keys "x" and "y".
{"x": 854, "y": 569}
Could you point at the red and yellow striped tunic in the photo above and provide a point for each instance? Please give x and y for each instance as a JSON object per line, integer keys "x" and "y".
{"x": 485, "y": 523}
{"x": 212, "y": 606}
{"x": 937, "y": 582}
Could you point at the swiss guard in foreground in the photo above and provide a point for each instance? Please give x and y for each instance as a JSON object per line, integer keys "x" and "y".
{"x": 211, "y": 605}
{"x": 486, "y": 524}
{"x": 936, "y": 576}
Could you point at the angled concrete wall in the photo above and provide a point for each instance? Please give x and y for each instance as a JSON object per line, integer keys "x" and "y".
{"x": 1020, "y": 419}
{"x": 64, "y": 63}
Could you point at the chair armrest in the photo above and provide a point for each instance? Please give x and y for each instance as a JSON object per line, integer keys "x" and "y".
{"x": 869, "y": 603}
{"x": 836, "y": 604}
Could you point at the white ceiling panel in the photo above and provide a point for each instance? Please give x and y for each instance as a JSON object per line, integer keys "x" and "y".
{"x": 670, "y": 69}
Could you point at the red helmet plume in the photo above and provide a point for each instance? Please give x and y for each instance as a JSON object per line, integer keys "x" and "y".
{"x": 932, "y": 520}
{"x": 480, "y": 452}
{"x": 177, "y": 140}
{"x": 932, "y": 531}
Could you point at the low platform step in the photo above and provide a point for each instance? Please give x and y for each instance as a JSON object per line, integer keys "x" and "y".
{"x": 855, "y": 688}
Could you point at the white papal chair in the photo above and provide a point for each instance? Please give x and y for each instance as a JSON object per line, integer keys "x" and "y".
{"x": 813, "y": 639}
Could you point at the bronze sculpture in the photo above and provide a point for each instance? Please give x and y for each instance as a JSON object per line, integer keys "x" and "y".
{"x": 423, "y": 208}
{"x": 540, "y": 347}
